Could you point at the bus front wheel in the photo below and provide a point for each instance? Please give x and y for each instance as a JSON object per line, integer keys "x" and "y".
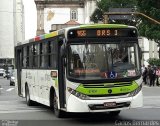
{"x": 58, "y": 113}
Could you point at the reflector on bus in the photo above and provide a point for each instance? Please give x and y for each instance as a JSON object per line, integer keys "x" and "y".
{"x": 54, "y": 74}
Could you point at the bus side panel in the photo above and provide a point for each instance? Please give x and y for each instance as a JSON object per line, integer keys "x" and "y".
{"x": 30, "y": 79}
{"x": 36, "y": 86}
{"x": 39, "y": 83}
{"x": 26, "y": 80}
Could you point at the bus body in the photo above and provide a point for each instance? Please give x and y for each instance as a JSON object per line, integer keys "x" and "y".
{"x": 87, "y": 68}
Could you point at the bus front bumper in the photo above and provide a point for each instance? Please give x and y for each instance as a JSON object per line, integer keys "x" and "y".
{"x": 75, "y": 104}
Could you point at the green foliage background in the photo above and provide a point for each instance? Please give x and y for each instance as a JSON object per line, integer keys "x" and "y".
{"x": 146, "y": 27}
{"x": 154, "y": 61}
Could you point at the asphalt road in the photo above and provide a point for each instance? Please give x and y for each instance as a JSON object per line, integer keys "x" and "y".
{"x": 15, "y": 112}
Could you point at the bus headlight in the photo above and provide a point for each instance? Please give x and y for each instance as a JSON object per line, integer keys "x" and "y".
{"x": 77, "y": 94}
{"x": 135, "y": 92}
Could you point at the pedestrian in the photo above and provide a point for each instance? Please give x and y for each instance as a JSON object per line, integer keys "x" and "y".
{"x": 157, "y": 75}
{"x": 143, "y": 69}
{"x": 152, "y": 75}
{"x": 144, "y": 74}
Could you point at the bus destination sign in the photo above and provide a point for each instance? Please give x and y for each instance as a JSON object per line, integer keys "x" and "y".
{"x": 94, "y": 33}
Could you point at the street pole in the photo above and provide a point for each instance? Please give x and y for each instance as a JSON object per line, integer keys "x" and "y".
{"x": 106, "y": 19}
{"x": 129, "y": 13}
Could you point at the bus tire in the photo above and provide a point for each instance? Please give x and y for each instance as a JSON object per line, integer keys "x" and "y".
{"x": 58, "y": 113}
{"x": 114, "y": 113}
{"x": 27, "y": 95}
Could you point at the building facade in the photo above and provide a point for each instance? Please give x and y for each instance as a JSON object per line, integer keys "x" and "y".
{"x": 149, "y": 49}
{"x": 6, "y": 32}
{"x": 53, "y": 14}
{"x": 11, "y": 31}
{"x": 19, "y": 21}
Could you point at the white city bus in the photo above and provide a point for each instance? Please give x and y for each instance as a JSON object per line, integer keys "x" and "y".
{"x": 87, "y": 68}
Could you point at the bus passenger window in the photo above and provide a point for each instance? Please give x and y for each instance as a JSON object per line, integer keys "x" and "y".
{"x": 24, "y": 57}
{"x": 49, "y": 46}
{"x": 35, "y": 55}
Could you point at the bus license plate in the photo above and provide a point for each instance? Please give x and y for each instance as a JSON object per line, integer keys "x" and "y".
{"x": 110, "y": 104}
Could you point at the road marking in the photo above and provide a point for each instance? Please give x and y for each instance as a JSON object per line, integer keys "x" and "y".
{"x": 1, "y": 88}
{"x": 151, "y": 97}
{"x": 21, "y": 111}
{"x": 151, "y": 107}
{"x": 10, "y": 89}
{"x": 147, "y": 86}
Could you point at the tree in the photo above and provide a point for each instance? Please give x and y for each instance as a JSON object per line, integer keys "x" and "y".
{"x": 146, "y": 27}
{"x": 104, "y": 5}
{"x": 154, "y": 61}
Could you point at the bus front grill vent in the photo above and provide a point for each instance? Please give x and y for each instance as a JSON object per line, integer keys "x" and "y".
{"x": 109, "y": 85}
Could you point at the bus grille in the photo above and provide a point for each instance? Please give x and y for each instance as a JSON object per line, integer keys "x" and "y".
{"x": 108, "y": 95}
{"x": 109, "y": 85}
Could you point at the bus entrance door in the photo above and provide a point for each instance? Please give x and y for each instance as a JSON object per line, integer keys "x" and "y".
{"x": 19, "y": 69}
{"x": 61, "y": 76}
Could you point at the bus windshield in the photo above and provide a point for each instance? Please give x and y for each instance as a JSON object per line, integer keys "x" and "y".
{"x": 90, "y": 61}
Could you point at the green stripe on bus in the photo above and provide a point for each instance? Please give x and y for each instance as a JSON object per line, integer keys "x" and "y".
{"x": 56, "y": 83}
{"x": 52, "y": 34}
{"x": 104, "y": 91}
{"x": 104, "y": 26}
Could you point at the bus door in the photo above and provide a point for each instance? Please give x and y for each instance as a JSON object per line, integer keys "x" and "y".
{"x": 19, "y": 68}
{"x": 61, "y": 74}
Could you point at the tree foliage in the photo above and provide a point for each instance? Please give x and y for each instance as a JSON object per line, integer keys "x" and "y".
{"x": 154, "y": 61}
{"x": 104, "y": 5}
{"x": 147, "y": 28}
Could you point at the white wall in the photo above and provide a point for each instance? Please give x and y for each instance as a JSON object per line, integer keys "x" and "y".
{"x": 61, "y": 16}
{"x": 150, "y": 49}
{"x": 6, "y": 29}
{"x": 89, "y": 8}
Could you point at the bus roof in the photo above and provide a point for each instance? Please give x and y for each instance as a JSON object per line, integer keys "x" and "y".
{"x": 104, "y": 26}
{"x": 59, "y": 32}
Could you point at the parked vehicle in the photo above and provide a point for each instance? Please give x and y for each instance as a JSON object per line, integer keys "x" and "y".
{"x": 12, "y": 81}
{"x": 12, "y": 78}
{"x": 7, "y": 75}
{"x": 2, "y": 72}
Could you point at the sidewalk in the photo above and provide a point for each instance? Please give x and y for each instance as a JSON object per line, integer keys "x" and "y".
{"x": 147, "y": 85}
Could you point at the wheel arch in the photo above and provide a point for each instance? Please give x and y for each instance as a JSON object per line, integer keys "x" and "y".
{"x": 51, "y": 94}
{"x": 26, "y": 85}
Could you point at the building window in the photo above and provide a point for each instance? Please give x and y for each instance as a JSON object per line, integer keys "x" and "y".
{"x": 74, "y": 15}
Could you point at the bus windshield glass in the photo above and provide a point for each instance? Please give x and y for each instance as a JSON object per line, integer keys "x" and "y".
{"x": 90, "y": 61}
